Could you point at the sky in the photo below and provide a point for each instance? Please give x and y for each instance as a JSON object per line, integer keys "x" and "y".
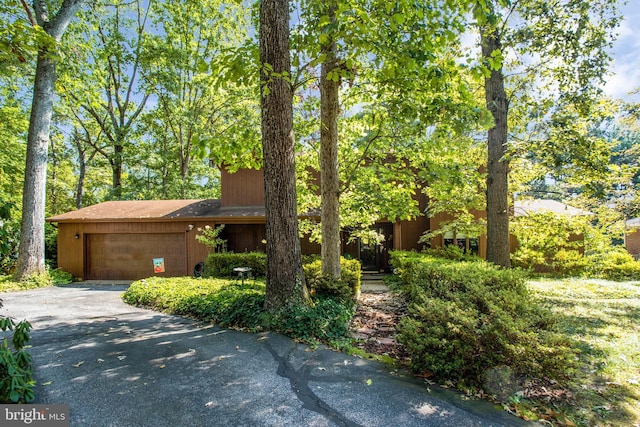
{"x": 626, "y": 54}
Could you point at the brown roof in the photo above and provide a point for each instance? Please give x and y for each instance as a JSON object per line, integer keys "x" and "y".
{"x": 157, "y": 210}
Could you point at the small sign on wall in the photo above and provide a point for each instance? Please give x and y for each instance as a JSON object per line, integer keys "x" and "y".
{"x": 158, "y": 265}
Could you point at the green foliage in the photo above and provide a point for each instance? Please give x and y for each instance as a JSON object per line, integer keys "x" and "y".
{"x": 469, "y": 318}
{"x": 16, "y": 370}
{"x": 211, "y": 237}
{"x": 614, "y": 264}
{"x": 232, "y": 303}
{"x": 220, "y": 264}
{"x": 327, "y": 320}
{"x": 346, "y": 289}
{"x": 549, "y": 242}
{"x": 9, "y": 238}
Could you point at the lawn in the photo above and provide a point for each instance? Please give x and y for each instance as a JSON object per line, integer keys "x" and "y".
{"x": 603, "y": 318}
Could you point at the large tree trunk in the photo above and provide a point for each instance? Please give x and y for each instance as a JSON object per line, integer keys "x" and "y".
{"x": 285, "y": 277}
{"x": 329, "y": 178}
{"x": 31, "y": 252}
{"x": 498, "y": 250}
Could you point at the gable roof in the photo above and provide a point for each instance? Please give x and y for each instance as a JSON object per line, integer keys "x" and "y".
{"x": 633, "y": 223}
{"x": 123, "y": 210}
{"x": 529, "y": 207}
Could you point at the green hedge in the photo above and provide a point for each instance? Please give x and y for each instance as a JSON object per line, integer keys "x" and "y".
{"x": 221, "y": 265}
{"x": 468, "y": 319}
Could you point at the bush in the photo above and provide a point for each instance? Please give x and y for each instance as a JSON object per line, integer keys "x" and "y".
{"x": 468, "y": 318}
{"x": 615, "y": 264}
{"x": 346, "y": 289}
{"x": 221, "y": 264}
{"x": 16, "y": 371}
{"x": 327, "y": 320}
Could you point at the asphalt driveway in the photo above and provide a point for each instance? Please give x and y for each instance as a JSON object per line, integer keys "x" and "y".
{"x": 118, "y": 365}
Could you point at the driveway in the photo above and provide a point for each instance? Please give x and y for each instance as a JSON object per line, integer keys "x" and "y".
{"x": 118, "y": 365}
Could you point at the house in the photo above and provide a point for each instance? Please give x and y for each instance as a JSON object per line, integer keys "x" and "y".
{"x": 129, "y": 240}
{"x": 632, "y": 237}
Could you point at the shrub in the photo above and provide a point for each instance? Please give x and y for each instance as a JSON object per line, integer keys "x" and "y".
{"x": 467, "y": 318}
{"x": 615, "y": 264}
{"x": 221, "y": 264}
{"x": 327, "y": 320}
{"x": 346, "y": 289}
{"x": 16, "y": 371}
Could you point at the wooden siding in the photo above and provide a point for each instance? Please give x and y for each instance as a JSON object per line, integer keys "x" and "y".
{"x": 632, "y": 242}
{"x": 242, "y": 188}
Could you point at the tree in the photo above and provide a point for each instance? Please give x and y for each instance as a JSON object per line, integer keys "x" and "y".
{"x": 200, "y": 109}
{"x": 498, "y": 249}
{"x": 31, "y": 252}
{"x": 105, "y": 79}
{"x": 285, "y": 277}
{"x": 558, "y": 54}
{"x": 329, "y": 176}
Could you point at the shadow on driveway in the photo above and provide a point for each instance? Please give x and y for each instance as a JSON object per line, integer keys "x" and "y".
{"x": 118, "y": 365}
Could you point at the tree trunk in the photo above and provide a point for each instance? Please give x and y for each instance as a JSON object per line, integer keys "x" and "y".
{"x": 285, "y": 277}
{"x": 329, "y": 178}
{"x": 31, "y": 252}
{"x": 498, "y": 250}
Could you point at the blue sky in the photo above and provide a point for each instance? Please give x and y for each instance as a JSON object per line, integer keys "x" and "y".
{"x": 626, "y": 54}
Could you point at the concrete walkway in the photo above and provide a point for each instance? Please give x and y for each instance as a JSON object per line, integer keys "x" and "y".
{"x": 117, "y": 365}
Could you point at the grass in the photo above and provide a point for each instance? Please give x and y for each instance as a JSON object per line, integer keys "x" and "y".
{"x": 603, "y": 319}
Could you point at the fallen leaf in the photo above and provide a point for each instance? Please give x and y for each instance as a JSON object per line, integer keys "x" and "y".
{"x": 369, "y": 382}
{"x": 122, "y": 357}
{"x": 208, "y": 404}
{"x": 47, "y": 383}
{"x": 162, "y": 366}
{"x": 100, "y": 360}
{"x": 77, "y": 365}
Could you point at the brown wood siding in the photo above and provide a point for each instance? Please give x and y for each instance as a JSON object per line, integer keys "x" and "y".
{"x": 632, "y": 242}
{"x": 242, "y": 188}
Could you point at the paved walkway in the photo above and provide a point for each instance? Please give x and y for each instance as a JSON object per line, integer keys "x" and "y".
{"x": 117, "y": 365}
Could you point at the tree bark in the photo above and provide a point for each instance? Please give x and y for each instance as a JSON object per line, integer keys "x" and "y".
{"x": 498, "y": 250}
{"x": 329, "y": 178}
{"x": 285, "y": 277}
{"x": 31, "y": 251}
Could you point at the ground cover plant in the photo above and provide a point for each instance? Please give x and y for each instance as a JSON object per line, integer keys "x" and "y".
{"x": 240, "y": 304}
{"x": 52, "y": 278}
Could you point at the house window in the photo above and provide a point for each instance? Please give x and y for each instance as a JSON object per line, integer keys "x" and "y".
{"x": 468, "y": 245}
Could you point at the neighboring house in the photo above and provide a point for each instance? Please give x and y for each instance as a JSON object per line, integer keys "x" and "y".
{"x": 632, "y": 237}
{"x": 528, "y": 207}
{"x": 131, "y": 240}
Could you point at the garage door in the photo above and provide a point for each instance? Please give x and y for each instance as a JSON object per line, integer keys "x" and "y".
{"x": 131, "y": 256}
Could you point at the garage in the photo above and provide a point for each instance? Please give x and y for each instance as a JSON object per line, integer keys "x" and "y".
{"x": 131, "y": 256}
{"x": 136, "y": 239}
